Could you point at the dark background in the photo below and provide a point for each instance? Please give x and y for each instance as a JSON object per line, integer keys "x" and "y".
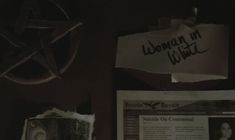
{"x": 91, "y": 81}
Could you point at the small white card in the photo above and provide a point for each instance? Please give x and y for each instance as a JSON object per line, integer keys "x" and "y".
{"x": 189, "y": 54}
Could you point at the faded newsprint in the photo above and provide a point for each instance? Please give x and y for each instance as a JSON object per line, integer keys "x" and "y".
{"x": 56, "y": 124}
{"x": 176, "y": 115}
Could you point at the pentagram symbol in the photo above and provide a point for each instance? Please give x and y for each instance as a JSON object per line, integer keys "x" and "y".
{"x": 38, "y": 45}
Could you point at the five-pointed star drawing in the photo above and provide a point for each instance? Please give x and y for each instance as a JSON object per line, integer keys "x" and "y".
{"x": 41, "y": 51}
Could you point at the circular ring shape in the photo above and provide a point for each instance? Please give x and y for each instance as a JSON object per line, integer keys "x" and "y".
{"x": 31, "y": 72}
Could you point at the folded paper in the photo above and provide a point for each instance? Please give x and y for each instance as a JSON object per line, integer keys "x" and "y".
{"x": 188, "y": 53}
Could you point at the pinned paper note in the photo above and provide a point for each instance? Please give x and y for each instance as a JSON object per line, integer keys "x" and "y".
{"x": 56, "y": 124}
{"x": 188, "y": 53}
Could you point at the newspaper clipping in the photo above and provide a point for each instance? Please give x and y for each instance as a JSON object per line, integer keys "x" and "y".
{"x": 176, "y": 115}
{"x": 56, "y": 124}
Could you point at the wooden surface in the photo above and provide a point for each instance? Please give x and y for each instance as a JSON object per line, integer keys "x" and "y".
{"x": 92, "y": 77}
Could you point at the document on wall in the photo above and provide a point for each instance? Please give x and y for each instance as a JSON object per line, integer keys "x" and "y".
{"x": 175, "y": 115}
{"x": 189, "y": 53}
{"x": 56, "y": 124}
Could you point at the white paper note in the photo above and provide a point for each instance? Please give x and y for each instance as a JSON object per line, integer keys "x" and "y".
{"x": 189, "y": 54}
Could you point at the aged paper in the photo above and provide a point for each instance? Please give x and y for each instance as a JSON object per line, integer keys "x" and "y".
{"x": 56, "y": 124}
{"x": 188, "y": 53}
{"x": 175, "y": 115}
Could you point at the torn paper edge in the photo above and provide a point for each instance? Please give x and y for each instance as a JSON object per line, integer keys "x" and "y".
{"x": 63, "y": 114}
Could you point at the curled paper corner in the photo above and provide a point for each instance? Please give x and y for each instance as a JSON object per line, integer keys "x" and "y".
{"x": 191, "y": 78}
{"x": 57, "y": 114}
{"x": 190, "y": 50}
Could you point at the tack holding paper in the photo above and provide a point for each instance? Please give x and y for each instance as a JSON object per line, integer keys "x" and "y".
{"x": 189, "y": 54}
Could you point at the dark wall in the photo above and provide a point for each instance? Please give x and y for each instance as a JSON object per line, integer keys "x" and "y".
{"x": 92, "y": 77}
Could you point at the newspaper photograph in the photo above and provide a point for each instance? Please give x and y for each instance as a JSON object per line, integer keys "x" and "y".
{"x": 175, "y": 115}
